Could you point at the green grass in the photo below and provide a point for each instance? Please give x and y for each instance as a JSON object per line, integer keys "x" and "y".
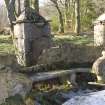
{"x": 80, "y": 40}
{"x": 6, "y": 44}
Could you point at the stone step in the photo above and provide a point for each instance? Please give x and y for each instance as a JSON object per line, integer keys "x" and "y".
{"x": 97, "y": 86}
{"x": 37, "y": 77}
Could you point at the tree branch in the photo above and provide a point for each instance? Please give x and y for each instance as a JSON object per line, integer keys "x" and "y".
{"x": 10, "y": 4}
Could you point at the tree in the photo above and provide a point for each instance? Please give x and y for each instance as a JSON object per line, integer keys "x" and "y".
{"x": 99, "y": 6}
{"x": 36, "y": 5}
{"x": 88, "y": 14}
{"x": 3, "y": 17}
{"x": 77, "y": 16}
{"x": 27, "y": 3}
{"x": 67, "y": 13}
{"x": 61, "y": 21}
{"x": 12, "y": 12}
{"x": 10, "y": 4}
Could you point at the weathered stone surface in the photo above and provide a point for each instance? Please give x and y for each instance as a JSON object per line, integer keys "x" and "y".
{"x": 14, "y": 100}
{"x": 99, "y": 34}
{"x": 31, "y": 36}
{"x": 99, "y": 31}
{"x": 8, "y": 59}
{"x": 99, "y": 67}
{"x": 13, "y": 83}
{"x": 95, "y": 98}
{"x": 42, "y": 76}
{"x": 69, "y": 54}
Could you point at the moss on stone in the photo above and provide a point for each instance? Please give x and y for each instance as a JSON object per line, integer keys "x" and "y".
{"x": 14, "y": 100}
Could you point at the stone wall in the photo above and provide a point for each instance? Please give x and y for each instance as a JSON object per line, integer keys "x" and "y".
{"x": 8, "y": 59}
{"x": 66, "y": 54}
{"x": 71, "y": 55}
{"x": 29, "y": 41}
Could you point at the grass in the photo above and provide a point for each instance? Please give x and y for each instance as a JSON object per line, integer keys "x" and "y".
{"x": 6, "y": 45}
{"x": 80, "y": 40}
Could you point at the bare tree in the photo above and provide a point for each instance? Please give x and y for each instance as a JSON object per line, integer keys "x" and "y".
{"x": 12, "y": 11}
{"x": 61, "y": 21}
{"x": 10, "y": 4}
{"x": 77, "y": 16}
{"x": 67, "y": 10}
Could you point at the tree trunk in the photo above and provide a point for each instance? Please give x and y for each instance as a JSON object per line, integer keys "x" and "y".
{"x": 77, "y": 17}
{"x": 27, "y": 3}
{"x": 36, "y": 5}
{"x": 61, "y": 24}
{"x": 67, "y": 14}
{"x": 10, "y": 4}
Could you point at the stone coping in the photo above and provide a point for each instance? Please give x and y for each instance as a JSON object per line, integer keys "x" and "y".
{"x": 28, "y": 21}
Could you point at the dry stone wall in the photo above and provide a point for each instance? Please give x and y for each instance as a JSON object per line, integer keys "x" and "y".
{"x": 68, "y": 54}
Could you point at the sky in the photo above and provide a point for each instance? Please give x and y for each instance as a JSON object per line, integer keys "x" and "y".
{"x": 41, "y": 2}
{"x": 1, "y": 1}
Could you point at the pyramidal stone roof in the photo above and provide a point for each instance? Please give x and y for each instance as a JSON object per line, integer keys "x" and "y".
{"x": 101, "y": 17}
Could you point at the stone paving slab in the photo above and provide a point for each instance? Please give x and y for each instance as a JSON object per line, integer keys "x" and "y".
{"x": 53, "y": 74}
